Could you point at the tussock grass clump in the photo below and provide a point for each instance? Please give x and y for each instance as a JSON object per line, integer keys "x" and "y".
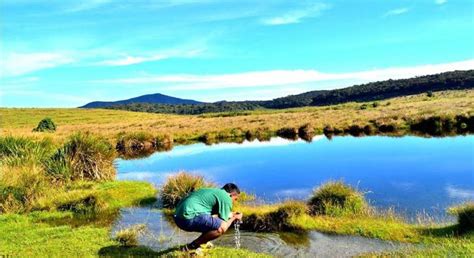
{"x": 83, "y": 157}
{"x": 465, "y": 214}
{"x": 20, "y": 187}
{"x": 179, "y": 186}
{"x": 129, "y": 236}
{"x": 335, "y": 198}
{"x": 16, "y": 151}
{"x": 261, "y": 134}
{"x": 45, "y": 125}
{"x": 279, "y": 219}
{"x": 306, "y": 132}
{"x": 288, "y": 133}
{"x": 142, "y": 144}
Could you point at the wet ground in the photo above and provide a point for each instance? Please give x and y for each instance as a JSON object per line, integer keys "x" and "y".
{"x": 161, "y": 235}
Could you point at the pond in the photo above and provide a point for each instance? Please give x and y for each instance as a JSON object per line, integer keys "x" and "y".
{"x": 414, "y": 175}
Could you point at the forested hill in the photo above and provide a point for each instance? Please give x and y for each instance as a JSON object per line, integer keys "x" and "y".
{"x": 378, "y": 90}
{"x": 366, "y": 92}
{"x": 151, "y": 98}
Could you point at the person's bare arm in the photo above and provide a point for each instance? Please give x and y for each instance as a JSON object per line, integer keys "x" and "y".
{"x": 226, "y": 224}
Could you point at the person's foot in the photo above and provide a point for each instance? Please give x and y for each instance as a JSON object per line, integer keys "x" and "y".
{"x": 208, "y": 245}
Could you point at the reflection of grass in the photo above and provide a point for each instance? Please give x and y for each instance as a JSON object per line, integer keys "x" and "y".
{"x": 110, "y": 123}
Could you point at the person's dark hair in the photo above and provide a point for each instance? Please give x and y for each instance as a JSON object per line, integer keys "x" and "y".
{"x": 230, "y": 188}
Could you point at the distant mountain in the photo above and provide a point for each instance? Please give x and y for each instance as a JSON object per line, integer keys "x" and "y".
{"x": 455, "y": 80}
{"x": 150, "y": 98}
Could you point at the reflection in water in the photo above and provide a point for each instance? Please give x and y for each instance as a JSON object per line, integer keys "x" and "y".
{"x": 412, "y": 174}
{"x": 162, "y": 234}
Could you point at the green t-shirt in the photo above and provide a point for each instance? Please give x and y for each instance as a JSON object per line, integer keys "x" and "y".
{"x": 205, "y": 201}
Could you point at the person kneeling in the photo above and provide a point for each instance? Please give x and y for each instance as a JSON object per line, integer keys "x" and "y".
{"x": 208, "y": 211}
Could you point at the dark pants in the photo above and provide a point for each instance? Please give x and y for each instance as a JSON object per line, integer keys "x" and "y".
{"x": 202, "y": 223}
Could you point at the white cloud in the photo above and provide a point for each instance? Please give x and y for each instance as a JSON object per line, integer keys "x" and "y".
{"x": 296, "y": 16}
{"x": 459, "y": 193}
{"x": 396, "y": 12}
{"x": 440, "y": 2}
{"x": 15, "y": 64}
{"x": 86, "y": 5}
{"x": 286, "y": 77}
{"x": 130, "y": 60}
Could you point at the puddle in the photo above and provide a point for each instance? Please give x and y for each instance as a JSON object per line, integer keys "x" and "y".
{"x": 162, "y": 234}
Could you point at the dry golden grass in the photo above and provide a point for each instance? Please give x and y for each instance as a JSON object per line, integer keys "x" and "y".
{"x": 108, "y": 123}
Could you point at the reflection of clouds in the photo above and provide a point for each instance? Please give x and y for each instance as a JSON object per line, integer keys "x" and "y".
{"x": 135, "y": 175}
{"x": 454, "y": 192}
{"x": 294, "y": 193}
{"x": 198, "y": 148}
{"x": 403, "y": 185}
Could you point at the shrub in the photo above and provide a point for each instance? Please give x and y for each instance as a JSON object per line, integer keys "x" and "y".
{"x": 363, "y": 106}
{"x": 375, "y": 104}
{"x": 336, "y": 199}
{"x": 45, "y": 125}
{"x": 129, "y": 236}
{"x": 83, "y": 157}
{"x": 179, "y": 186}
{"x": 465, "y": 213}
{"x": 429, "y": 94}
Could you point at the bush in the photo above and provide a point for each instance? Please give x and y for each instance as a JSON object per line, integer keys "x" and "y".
{"x": 179, "y": 186}
{"x": 83, "y": 157}
{"x": 429, "y": 94}
{"x": 465, "y": 213}
{"x": 336, "y": 199}
{"x": 129, "y": 236}
{"x": 363, "y": 106}
{"x": 375, "y": 104}
{"x": 45, "y": 125}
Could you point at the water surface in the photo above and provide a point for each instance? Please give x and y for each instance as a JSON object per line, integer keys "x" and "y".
{"x": 413, "y": 174}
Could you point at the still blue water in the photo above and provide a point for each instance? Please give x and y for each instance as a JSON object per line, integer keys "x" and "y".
{"x": 411, "y": 174}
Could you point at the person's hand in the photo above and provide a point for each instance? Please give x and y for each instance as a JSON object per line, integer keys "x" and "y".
{"x": 238, "y": 215}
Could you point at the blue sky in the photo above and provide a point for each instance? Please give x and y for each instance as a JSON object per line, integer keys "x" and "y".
{"x": 62, "y": 53}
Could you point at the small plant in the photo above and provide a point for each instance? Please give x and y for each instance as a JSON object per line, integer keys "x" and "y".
{"x": 336, "y": 199}
{"x": 363, "y": 106}
{"x": 375, "y": 104}
{"x": 179, "y": 186}
{"x": 129, "y": 236}
{"x": 465, "y": 214}
{"x": 45, "y": 125}
{"x": 429, "y": 94}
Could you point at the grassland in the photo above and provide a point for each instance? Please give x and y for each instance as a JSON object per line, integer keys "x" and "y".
{"x": 44, "y": 194}
{"x": 109, "y": 123}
